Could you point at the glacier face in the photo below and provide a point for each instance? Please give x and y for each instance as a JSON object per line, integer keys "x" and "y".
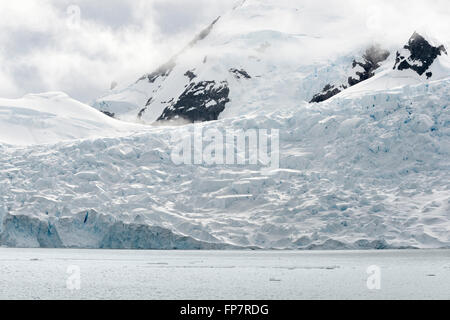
{"x": 355, "y": 172}
{"x": 366, "y": 169}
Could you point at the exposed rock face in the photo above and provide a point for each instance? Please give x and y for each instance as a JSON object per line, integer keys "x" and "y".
{"x": 328, "y": 92}
{"x": 371, "y": 62}
{"x": 364, "y": 70}
{"x": 190, "y": 74}
{"x": 203, "y": 101}
{"x": 156, "y": 77}
{"x": 418, "y": 55}
{"x": 239, "y": 74}
{"x": 163, "y": 72}
{"x": 109, "y": 114}
{"x": 141, "y": 112}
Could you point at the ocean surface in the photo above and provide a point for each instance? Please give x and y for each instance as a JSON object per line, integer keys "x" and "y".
{"x": 230, "y": 275}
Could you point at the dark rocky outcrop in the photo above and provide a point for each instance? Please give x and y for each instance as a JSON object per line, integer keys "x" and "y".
{"x": 190, "y": 74}
{"x": 202, "y": 101}
{"x": 166, "y": 69}
{"x": 418, "y": 55}
{"x": 149, "y": 102}
{"x": 364, "y": 70}
{"x": 371, "y": 62}
{"x": 328, "y": 92}
{"x": 109, "y": 114}
{"x": 239, "y": 74}
{"x": 141, "y": 112}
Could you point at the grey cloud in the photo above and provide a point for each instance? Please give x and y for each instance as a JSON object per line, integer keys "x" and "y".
{"x": 111, "y": 13}
{"x": 119, "y": 40}
{"x": 175, "y": 16}
{"x": 23, "y": 41}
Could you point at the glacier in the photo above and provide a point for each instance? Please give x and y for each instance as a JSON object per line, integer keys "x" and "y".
{"x": 366, "y": 169}
{"x": 366, "y": 172}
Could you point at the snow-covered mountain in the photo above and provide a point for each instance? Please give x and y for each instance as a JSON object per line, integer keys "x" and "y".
{"x": 244, "y": 60}
{"x": 364, "y": 145}
{"x": 54, "y": 117}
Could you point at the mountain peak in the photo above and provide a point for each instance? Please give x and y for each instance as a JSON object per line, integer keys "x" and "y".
{"x": 418, "y": 55}
{"x": 362, "y": 70}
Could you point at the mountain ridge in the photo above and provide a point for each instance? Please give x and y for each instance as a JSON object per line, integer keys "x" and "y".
{"x": 167, "y": 93}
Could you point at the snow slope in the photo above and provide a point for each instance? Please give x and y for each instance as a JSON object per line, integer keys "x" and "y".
{"x": 54, "y": 117}
{"x": 365, "y": 169}
{"x": 392, "y": 78}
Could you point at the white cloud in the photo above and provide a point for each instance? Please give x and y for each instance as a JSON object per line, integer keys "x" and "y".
{"x": 119, "y": 40}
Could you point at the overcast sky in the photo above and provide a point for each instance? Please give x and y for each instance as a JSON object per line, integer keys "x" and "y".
{"x": 82, "y": 46}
